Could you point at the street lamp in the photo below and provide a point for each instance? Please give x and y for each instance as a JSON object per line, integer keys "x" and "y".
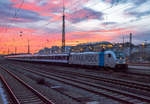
{"x": 28, "y": 46}
{"x": 143, "y": 48}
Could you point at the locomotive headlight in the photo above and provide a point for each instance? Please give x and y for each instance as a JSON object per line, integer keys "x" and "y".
{"x": 117, "y": 62}
{"x": 124, "y": 62}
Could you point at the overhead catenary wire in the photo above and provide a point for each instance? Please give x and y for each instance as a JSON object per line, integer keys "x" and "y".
{"x": 15, "y": 14}
{"x": 67, "y": 8}
{"x": 18, "y": 9}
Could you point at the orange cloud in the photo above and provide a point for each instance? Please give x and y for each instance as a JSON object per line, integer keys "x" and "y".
{"x": 18, "y": 37}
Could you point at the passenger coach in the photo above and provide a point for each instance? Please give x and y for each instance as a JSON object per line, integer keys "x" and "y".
{"x": 53, "y": 58}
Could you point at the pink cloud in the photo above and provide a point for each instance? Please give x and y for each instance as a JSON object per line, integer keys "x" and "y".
{"x": 19, "y": 19}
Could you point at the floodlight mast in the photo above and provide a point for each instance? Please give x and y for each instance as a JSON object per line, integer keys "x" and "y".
{"x": 63, "y": 29}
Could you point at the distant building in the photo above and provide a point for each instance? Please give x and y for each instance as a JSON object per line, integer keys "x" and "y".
{"x": 44, "y": 51}
{"x": 138, "y": 52}
{"x": 54, "y": 50}
{"x": 94, "y": 47}
{"x": 147, "y": 48}
{"x": 123, "y": 47}
{"x": 67, "y": 49}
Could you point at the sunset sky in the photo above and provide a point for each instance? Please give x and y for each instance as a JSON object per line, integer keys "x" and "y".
{"x": 40, "y": 22}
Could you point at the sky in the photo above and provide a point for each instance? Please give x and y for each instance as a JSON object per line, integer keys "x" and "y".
{"x": 40, "y": 22}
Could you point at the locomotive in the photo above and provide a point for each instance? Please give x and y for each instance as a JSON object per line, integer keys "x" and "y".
{"x": 106, "y": 59}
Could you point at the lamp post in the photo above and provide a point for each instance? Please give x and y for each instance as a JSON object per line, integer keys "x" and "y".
{"x": 143, "y": 45}
{"x": 8, "y": 51}
{"x": 28, "y": 47}
{"x": 130, "y": 52}
{"x": 15, "y": 50}
{"x": 144, "y": 48}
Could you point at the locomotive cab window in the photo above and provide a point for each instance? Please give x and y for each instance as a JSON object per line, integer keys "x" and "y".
{"x": 109, "y": 55}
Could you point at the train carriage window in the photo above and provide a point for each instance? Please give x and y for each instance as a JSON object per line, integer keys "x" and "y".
{"x": 65, "y": 58}
{"x": 59, "y": 57}
{"x": 62, "y": 58}
{"x": 109, "y": 55}
{"x": 56, "y": 57}
{"x": 47, "y": 57}
{"x": 44, "y": 57}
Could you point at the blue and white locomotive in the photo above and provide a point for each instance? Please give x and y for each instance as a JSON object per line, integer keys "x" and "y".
{"x": 99, "y": 59}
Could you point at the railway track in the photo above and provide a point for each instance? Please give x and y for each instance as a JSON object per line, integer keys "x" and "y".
{"x": 127, "y": 83}
{"x": 128, "y": 73}
{"x": 20, "y": 92}
{"x": 121, "y": 96}
{"x": 79, "y": 100}
{"x": 139, "y": 72}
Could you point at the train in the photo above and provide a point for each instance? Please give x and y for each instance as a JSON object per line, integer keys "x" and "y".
{"x": 106, "y": 59}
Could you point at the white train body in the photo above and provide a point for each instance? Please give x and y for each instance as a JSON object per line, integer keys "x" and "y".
{"x": 100, "y": 59}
